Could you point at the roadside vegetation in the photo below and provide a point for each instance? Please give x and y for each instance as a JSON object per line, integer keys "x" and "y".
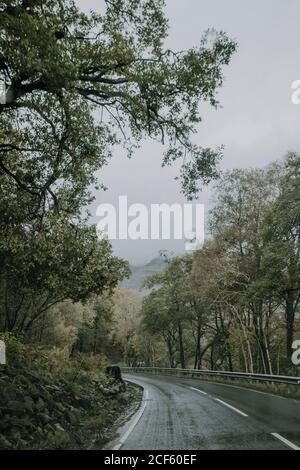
{"x": 51, "y": 402}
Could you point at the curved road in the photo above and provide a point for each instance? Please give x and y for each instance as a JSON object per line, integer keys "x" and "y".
{"x": 190, "y": 414}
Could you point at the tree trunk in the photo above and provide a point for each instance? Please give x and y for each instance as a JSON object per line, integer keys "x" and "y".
{"x": 290, "y": 320}
{"x": 181, "y": 347}
{"x": 198, "y": 358}
{"x": 229, "y": 357}
{"x": 170, "y": 353}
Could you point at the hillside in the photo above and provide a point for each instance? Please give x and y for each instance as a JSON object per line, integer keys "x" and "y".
{"x": 51, "y": 401}
{"x": 139, "y": 274}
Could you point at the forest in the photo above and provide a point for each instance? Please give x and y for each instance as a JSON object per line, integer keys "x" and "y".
{"x": 234, "y": 304}
{"x": 76, "y": 87}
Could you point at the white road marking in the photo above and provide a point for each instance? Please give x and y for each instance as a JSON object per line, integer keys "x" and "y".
{"x": 197, "y": 390}
{"x": 133, "y": 424}
{"x": 231, "y": 407}
{"x": 285, "y": 441}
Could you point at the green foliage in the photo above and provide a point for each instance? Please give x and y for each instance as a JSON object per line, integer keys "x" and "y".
{"x": 234, "y": 304}
{"x": 166, "y": 310}
{"x": 58, "y": 262}
{"x": 79, "y": 84}
{"x": 65, "y": 68}
{"x": 15, "y": 349}
{"x": 124, "y": 327}
{"x": 49, "y": 401}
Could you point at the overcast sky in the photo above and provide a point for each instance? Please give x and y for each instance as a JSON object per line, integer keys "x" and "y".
{"x": 257, "y": 123}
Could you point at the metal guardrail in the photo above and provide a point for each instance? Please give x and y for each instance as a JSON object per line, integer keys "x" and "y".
{"x": 282, "y": 379}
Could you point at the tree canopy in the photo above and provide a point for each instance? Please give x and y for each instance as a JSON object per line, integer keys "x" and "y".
{"x": 235, "y": 306}
{"x": 79, "y": 83}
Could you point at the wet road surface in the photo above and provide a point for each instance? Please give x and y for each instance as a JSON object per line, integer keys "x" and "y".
{"x": 190, "y": 414}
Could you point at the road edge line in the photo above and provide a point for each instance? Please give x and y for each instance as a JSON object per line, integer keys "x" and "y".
{"x": 134, "y": 422}
{"x": 197, "y": 390}
{"x": 285, "y": 441}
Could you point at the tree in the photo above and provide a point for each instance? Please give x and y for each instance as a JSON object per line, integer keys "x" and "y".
{"x": 77, "y": 85}
{"x": 172, "y": 281}
{"x": 71, "y": 75}
{"x": 41, "y": 268}
{"x": 207, "y": 292}
{"x": 282, "y": 253}
{"x": 238, "y": 296}
{"x": 93, "y": 332}
{"x": 125, "y": 323}
{"x": 244, "y": 199}
{"x": 160, "y": 324}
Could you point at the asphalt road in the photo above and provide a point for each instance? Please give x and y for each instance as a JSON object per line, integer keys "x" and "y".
{"x": 190, "y": 414}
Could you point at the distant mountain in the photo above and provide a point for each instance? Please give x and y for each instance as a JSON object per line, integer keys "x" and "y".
{"x": 139, "y": 273}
